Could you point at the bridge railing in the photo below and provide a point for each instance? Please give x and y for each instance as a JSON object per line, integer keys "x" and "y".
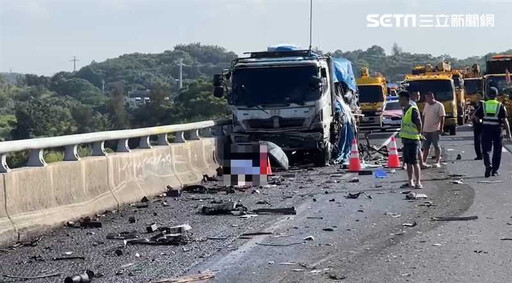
{"x": 70, "y": 143}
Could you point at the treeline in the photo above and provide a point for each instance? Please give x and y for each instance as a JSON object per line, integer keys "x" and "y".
{"x": 93, "y": 98}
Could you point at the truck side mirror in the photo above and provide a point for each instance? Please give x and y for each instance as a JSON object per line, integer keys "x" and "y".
{"x": 218, "y": 91}
{"x": 218, "y": 80}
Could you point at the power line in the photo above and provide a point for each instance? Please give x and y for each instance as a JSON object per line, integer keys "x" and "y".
{"x": 74, "y": 60}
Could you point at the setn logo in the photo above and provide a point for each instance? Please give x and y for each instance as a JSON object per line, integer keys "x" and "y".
{"x": 430, "y": 20}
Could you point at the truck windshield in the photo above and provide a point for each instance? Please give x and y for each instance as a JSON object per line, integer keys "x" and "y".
{"x": 442, "y": 89}
{"x": 370, "y": 93}
{"x": 473, "y": 86}
{"x": 500, "y": 83}
{"x": 274, "y": 85}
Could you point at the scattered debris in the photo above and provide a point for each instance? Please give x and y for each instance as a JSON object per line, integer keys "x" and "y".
{"x": 87, "y": 222}
{"x": 200, "y": 189}
{"x": 69, "y": 258}
{"x": 80, "y": 278}
{"x": 122, "y": 235}
{"x": 365, "y": 172}
{"x": 414, "y": 224}
{"x": 489, "y": 182}
{"x": 360, "y": 210}
{"x": 152, "y": 228}
{"x": 284, "y": 210}
{"x": 354, "y": 180}
{"x": 118, "y": 252}
{"x": 140, "y": 204}
{"x": 458, "y": 182}
{"x": 309, "y": 238}
{"x": 332, "y": 200}
{"x": 329, "y": 229}
{"x": 334, "y": 276}
{"x": 427, "y": 204}
{"x": 144, "y": 199}
{"x": 257, "y": 233}
{"x": 454, "y": 218}
{"x": 480, "y": 252}
{"x": 207, "y": 178}
{"x": 456, "y": 175}
{"x": 436, "y": 245}
{"x": 459, "y": 157}
{"x": 315, "y": 217}
{"x": 223, "y": 208}
{"x": 415, "y": 196}
{"x": 405, "y": 192}
{"x": 506, "y": 239}
{"x": 256, "y": 192}
{"x": 131, "y": 219}
{"x": 179, "y": 229}
{"x": 171, "y": 192}
{"x": 263, "y": 202}
{"x": 356, "y": 195}
{"x": 392, "y": 214}
{"x": 188, "y": 278}
{"x": 33, "y": 277}
{"x": 279, "y": 245}
{"x": 248, "y": 216}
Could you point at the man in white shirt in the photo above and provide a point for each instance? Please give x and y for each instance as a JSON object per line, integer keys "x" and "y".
{"x": 433, "y": 124}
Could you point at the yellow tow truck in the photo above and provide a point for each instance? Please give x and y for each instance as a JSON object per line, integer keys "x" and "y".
{"x": 473, "y": 84}
{"x": 440, "y": 81}
{"x": 497, "y": 68}
{"x": 372, "y": 97}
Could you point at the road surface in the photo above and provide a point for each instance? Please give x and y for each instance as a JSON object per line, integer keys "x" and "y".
{"x": 352, "y": 240}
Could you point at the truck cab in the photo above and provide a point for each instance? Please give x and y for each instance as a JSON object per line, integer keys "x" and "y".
{"x": 284, "y": 96}
{"x": 372, "y": 97}
{"x": 473, "y": 84}
{"x": 498, "y": 69}
{"x": 441, "y": 83}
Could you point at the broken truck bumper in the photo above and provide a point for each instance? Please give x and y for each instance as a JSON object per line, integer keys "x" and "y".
{"x": 287, "y": 140}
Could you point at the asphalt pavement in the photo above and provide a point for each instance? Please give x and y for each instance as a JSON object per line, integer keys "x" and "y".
{"x": 378, "y": 237}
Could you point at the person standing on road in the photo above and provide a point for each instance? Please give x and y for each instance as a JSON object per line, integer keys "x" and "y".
{"x": 415, "y": 97}
{"x": 494, "y": 117}
{"x": 433, "y": 124}
{"x": 410, "y": 134}
{"x": 477, "y": 130}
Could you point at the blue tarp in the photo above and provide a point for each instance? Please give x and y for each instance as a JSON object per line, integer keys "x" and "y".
{"x": 346, "y": 133}
{"x": 342, "y": 72}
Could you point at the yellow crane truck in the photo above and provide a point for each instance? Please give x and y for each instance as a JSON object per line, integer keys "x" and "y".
{"x": 372, "y": 97}
{"x": 440, "y": 81}
{"x": 473, "y": 85}
{"x": 497, "y": 74}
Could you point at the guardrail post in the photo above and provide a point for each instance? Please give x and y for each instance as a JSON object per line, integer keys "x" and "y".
{"x": 4, "y": 168}
{"x": 144, "y": 142}
{"x": 122, "y": 146}
{"x": 194, "y": 135}
{"x": 179, "y": 137}
{"x": 36, "y": 158}
{"x": 98, "y": 149}
{"x": 162, "y": 139}
{"x": 71, "y": 153}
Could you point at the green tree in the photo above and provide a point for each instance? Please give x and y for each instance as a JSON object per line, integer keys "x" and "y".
{"x": 116, "y": 108}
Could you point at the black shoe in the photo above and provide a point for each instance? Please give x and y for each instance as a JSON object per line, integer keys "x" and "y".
{"x": 478, "y": 158}
{"x": 495, "y": 173}
{"x": 488, "y": 172}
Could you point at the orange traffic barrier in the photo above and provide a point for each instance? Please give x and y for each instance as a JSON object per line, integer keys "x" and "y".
{"x": 354, "y": 163}
{"x": 393, "y": 159}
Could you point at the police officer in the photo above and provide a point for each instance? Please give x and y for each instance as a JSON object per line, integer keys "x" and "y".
{"x": 493, "y": 116}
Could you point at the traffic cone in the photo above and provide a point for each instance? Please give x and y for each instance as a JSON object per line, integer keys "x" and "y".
{"x": 269, "y": 168}
{"x": 354, "y": 164}
{"x": 265, "y": 168}
{"x": 393, "y": 159}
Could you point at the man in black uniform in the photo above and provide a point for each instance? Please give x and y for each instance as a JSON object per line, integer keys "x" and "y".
{"x": 494, "y": 117}
{"x": 477, "y": 130}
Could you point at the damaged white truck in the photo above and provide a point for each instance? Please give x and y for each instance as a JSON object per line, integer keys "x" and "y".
{"x": 297, "y": 99}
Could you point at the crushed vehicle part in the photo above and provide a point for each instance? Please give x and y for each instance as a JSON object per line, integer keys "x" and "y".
{"x": 87, "y": 222}
{"x": 224, "y": 208}
{"x": 163, "y": 239}
{"x": 207, "y": 178}
{"x": 171, "y": 192}
{"x": 454, "y": 218}
{"x": 152, "y": 228}
{"x": 188, "y": 278}
{"x": 284, "y": 210}
{"x": 415, "y": 196}
{"x": 414, "y": 224}
{"x": 80, "y": 278}
{"x": 179, "y": 229}
{"x": 309, "y": 238}
{"x": 353, "y": 196}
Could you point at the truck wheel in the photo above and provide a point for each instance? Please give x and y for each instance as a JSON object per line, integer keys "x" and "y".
{"x": 453, "y": 130}
{"x": 323, "y": 156}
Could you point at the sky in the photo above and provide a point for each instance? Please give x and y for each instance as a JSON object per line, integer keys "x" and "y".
{"x": 41, "y": 36}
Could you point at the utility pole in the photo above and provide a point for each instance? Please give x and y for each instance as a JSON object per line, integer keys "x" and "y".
{"x": 74, "y": 60}
{"x": 180, "y": 62}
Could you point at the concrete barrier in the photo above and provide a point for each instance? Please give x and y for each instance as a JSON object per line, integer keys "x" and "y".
{"x": 34, "y": 199}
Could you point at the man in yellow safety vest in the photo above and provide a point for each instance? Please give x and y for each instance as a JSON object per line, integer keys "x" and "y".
{"x": 410, "y": 134}
{"x": 493, "y": 115}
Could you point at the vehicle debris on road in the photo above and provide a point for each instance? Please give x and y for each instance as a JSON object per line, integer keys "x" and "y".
{"x": 188, "y": 278}
{"x": 356, "y": 195}
{"x": 85, "y": 277}
{"x": 284, "y": 210}
{"x": 224, "y": 208}
{"x": 415, "y": 196}
{"x": 454, "y": 218}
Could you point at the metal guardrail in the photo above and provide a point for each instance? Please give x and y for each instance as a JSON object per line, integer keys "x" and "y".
{"x": 71, "y": 142}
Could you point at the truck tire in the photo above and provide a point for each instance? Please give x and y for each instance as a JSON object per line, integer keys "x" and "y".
{"x": 453, "y": 130}
{"x": 323, "y": 155}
